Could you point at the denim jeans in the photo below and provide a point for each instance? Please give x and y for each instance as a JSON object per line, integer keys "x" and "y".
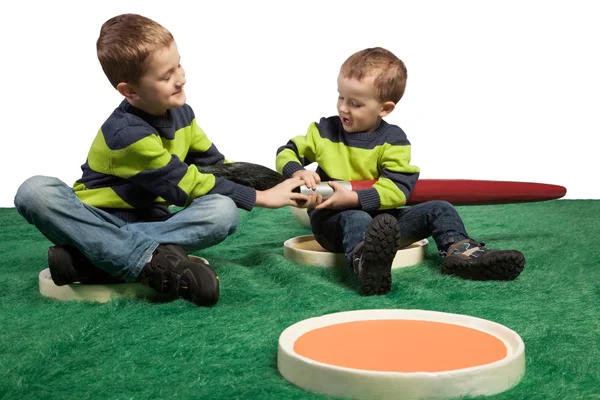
{"x": 121, "y": 249}
{"x": 340, "y": 231}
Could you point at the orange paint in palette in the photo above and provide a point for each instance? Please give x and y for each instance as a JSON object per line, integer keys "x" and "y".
{"x": 400, "y": 345}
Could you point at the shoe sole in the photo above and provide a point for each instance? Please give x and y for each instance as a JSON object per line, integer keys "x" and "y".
{"x": 382, "y": 241}
{"x": 500, "y": 265}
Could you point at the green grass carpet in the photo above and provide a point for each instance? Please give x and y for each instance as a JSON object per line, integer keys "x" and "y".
{"x": 136, "y": 349}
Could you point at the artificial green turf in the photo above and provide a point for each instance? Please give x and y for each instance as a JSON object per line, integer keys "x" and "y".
{"x": 137, "y": 349}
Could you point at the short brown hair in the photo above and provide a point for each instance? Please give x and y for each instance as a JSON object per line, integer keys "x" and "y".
{"x": 390, "y": 80}
{"x": 124, "y": 44}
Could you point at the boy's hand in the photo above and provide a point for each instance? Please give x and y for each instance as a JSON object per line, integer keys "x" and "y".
{"x": 282, "y": 195}
{"x": 313, "y": 201}
{"x": 341, "y": 198}
{"x": 311, "y": 178}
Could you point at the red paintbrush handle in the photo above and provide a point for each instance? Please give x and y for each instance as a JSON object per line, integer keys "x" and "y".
{"x": 461, "y": 192}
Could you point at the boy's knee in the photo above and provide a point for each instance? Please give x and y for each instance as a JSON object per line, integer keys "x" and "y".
{"x": 442, "y": 208}
{"x": 223, "y": 218}
{"x": 442, "y": 204}
{"x": 35, "y": 190}
{"x": 356, "y": 217}
{"x": 227, "y": 214}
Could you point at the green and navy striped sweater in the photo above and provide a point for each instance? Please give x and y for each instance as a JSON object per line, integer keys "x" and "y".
{"x": 138, "y": 161}
{"x": 383, "y": 155}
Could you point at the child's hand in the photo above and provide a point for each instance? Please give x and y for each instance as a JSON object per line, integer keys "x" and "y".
{"x": 313, "y": 201}
{"x": 311, "y": 178}
{"x": 282, "y": 195}
{"x": 341, "y": 198}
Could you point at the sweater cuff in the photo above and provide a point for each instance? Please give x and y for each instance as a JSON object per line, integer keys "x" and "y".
{"x": 369, "y": 199}
{"x": 244, "y": 197}
{"x": 290, "y": 168}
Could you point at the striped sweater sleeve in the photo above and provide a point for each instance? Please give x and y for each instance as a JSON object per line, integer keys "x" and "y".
{"x": 396, "y": 181}
{"x": 298, "y": 152}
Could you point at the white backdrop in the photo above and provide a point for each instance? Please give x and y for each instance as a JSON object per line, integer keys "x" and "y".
{"x": 499, "y": 90}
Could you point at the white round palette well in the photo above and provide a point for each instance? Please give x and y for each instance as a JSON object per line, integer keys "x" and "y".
{"x": 306, "y": 250}
{"x": 357, "y": 383}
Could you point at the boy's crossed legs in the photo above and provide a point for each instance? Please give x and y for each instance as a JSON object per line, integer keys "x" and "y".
{"x": 350, "y": 231}
{"x": 95, "y": 244}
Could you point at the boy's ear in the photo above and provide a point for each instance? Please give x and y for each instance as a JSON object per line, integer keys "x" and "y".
{"x": 127, "y": 90}
{"x": 387, "y": 108}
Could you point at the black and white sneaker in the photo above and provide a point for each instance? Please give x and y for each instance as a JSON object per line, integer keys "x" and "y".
{"x": 471, "y": 260}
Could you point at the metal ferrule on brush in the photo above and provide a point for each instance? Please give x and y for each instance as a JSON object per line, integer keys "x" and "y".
{"x": 324, "y": 189}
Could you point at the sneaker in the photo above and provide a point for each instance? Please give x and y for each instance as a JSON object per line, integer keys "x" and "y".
{"x": 372, "y": 258}
{"x": 472, "y": 260}
{"x": 170, "y": 271}
{"x": 68, "y": 265}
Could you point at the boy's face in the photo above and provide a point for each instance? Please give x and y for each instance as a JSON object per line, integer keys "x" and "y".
{"x": 161, "y": 86}
{"x": 358, "y": 105}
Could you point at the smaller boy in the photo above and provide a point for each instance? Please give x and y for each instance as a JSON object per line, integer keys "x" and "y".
{"x": 114, "y": 224}
{"x": 369, "y": 226}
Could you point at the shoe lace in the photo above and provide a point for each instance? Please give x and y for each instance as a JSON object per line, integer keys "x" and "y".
{"x": 464, "y": 245}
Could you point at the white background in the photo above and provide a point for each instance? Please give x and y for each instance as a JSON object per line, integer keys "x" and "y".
{"x": 498, "y": 90}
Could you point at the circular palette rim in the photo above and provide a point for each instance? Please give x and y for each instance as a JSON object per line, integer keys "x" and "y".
{"x": 405, "y": 257}
{"x": 334, "y": 380}
{"x": 100, "y": 293}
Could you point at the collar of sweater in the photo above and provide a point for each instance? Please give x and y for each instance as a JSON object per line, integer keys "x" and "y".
{"x": 163, "y": 121}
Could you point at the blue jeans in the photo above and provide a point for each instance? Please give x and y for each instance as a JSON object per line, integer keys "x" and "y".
{"x": 340, "y": 231}
{"x": 120, "y": 248}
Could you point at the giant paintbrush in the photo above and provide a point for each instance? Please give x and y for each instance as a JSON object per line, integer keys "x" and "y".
{"x": 456, "y": 191}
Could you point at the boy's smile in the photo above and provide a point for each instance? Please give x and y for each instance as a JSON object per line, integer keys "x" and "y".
{"x": 359, "y": 107}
